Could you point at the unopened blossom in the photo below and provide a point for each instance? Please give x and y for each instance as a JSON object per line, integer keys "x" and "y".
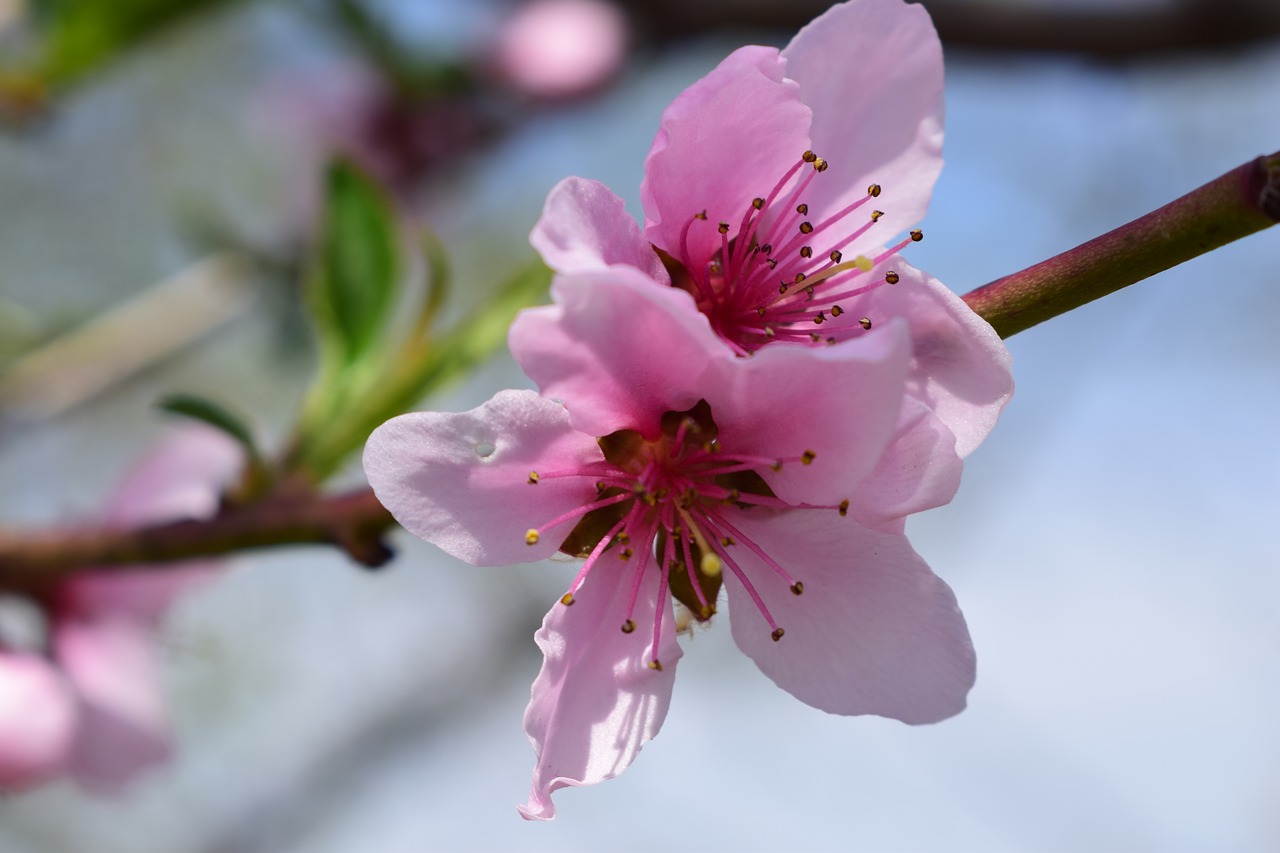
{"x": 86, "y": 704}
{"x": 672, "y": 467}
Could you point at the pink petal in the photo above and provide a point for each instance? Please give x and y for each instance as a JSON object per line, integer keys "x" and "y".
{"x": 461, "y": 481}
{"x": 871, "y": 71}
{"x": 875, "y": 632}
{"x": 920, "y": 470}
{"x": 617, "y": 350}
{"x": 596, "y": 702}
{"x": 37, "y": 718}
{"x": 723, "y": 141}
{"x": 841, "y": 402}
{"x": 585, "y": 227}
{"x": 960, "y": 368}
{"x": 181, "y": 477}
{"x": 123, "y": 728}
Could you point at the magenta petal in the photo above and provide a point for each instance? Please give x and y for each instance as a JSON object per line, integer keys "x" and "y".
{"x": 123, "y": 728}
{"x": 920, "y": 470}
{"x": 871, "y": 71}
{"x": 37, "y": 717}
{"x": 840, "y": 402}
{"x": 875, "y": 632}
{"x": 960, "y": 367}
{"x": 461, "y": 481}
{"x": 722, "y": 142}
{"x": 617, "y": 350}
{"x": 596, "y": 702}
{"x": 585, "y": 227}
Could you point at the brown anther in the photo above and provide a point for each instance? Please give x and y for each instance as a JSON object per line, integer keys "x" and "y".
{"x": 533, "y": 478}
{"x": 623, "y": 537}
{"x": 809, "y": 290}
{"x": 767, "y": 248}
{"x": 566, "y": 599}
{"x": 727, "y": 541}
{"x": 892, "y": 277}
{"x": 865, "y": 322}
{"x": 723, "y": 227}
{"x": 836, "y": 310}
{"x": 836, "y": 256}
{"x": 815, "y": 337}
{"x": 820, "y": 318}
{"x": 809, "y": 157}
{"x": 706, "y": 612}
{"x": 797, "y": 588}
{"x": 776, "y": 466}
{"x": 772, "y": 262}
{"x": 714, "y": 266}
{"x": 874, "y": 190}
{"x": 844, "y": 507}
{"x": 628, "y": 627}
{"x": 777, "y": 634}
{"x": 800, "y": 277}
{"x": 802, "y": 209}
{"x": 876, "y": 214}
{"x": 655, "y": 665}
{"x": 757, "y": 203}
{"x": 806, "y": 251}
{"x": 830, "y": 341}
{"x": 702, "y": 214}
{"x": 782, "y": 287}
{"x": 820, "y": 165}
{"x": 917, "y": 235}
{"x": 806, "y": 227}
{"x": 807, "y": 457}
{"x": 626, "y": 554}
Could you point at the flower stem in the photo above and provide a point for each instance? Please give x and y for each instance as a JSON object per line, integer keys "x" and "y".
{"x": 1244, "y": 200}
{"x": 354, "y": 521}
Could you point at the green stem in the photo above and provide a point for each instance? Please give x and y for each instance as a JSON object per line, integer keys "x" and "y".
{"x": 1244, "y": 200}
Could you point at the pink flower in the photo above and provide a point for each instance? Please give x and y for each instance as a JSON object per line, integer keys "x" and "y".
{"x": 89, "y": 705}
{"x": 774, "y": 182}
{"x": 557, "y": 49}
{"x": 673, "y": 464}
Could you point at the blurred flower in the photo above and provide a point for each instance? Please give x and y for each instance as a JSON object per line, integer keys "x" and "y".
{"x": 672, "y": 464}
{"x": 89, "y": 707}
{"x": 556, "y": 49}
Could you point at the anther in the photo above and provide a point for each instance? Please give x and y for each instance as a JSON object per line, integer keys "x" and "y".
{"x": 566, "y": 599}
{"x": 777, "y": 634}
{"x": 767, "y": 248}
{"x": 760, "y": 311}
{"x": 820, "y": 318}
{"x": 628, "y": 627}
{"x": 806, "y": 251}
{"x": 601, "y": 485}
{"x": 809, "y": 157}
{"x": 807, "y": 457}
{"x": 757, "y": 203}
{"x": 531, "y": 537}
{"x": 836, "y": 310}
{"x": 865, "y": 322}
{"x": 844, "y": 507}
{"x": 723, "y": 227}
{"x": 776, "y": 466}
{"x": 772, "y": 262}
{"x": 533, "y": 478}
{"x": 917, "y": 235}
{"x": 820, "y": 165}
{"x": 626, "y": 554}
{"x": 892, "y": 277}
{"x": 702, "y": 214}
{"x": 727, "y": 541}
{"x": 815, "y": 337}
{"x": 800, "y": 277}
{"x": 782, "y": 287}
{"x": 797, "y": 588}
{"x": 876, "y": 214}
{"x": 809, "y": 290}
{"x": 836, "y": 256}
{"x": 806, "y": 227}
{"x": 655, "y": 665}
{"x": 802, "y": 209}
{"x": 874, "y": 190}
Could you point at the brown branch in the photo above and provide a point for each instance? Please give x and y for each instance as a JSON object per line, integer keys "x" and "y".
{"x": 1239, "y": 203}
{"x": 354, "y": 521}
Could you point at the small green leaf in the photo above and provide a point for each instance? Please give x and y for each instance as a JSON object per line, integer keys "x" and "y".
{"x": 212, "y": 413}
{"x": 354, "y": 282}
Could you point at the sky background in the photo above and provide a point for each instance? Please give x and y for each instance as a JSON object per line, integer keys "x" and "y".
{"x": 1115, "y": 545}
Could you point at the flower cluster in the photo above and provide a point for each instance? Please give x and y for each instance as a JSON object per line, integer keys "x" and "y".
{"x": 751, "y": 393}
{"x": 87, "y": 704}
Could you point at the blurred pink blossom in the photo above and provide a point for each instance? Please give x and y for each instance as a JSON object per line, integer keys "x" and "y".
{"x": 558, "y": 49}
{"x": 89, "y": 706}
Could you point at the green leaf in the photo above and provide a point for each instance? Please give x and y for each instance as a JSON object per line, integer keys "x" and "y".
{"x": 212, "y": 413}
{"x": 354, "y": 282}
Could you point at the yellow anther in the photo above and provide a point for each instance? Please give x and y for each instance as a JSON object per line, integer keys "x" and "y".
{"x": 892, "y": 277}
{"x": 531, "y": 537}
{"x": 806, "y": 251}
{"x": 723, "y": 227}
{"x": 700, "y": 215}
{"x": 626, "y": 554}
{"x": 711, "y": 565}
{"x": 802, "y": 209}
{"x": 820, "y": 318}
{"x": 874, "y": 190}
{"x": 566, "y": 599}
{"x": 863, "y": 263}
{"x": 820, "y": 165}
{"x": 757, "y": 203}
{"x": 836, "y": 256}
{"x": 533, "y": 478}
{"x": 806, "y": 227}
{"x": 782, "y": 287}
{"x": 836, "y": 310}
{"x": 760, "y": 310}
{"x": 876, "y": 214}
{"x": 809, "y": 157}
{"x": 807, "y": 457}
{"x": 800, "y": 277}
{"x": 655, "y": 665}
{"x": 727, "y": 541}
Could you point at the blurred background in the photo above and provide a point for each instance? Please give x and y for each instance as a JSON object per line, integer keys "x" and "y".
{"x": 1114, "y": 546}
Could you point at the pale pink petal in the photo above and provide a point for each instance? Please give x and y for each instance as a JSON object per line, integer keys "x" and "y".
{"x": 585, "y": 227}
{"x": 123, "y": 727}
{"x": 920, "y": 470}
{"x": 37, "y": 717}
{"x": 840, "y": 402}
{"x": 875, "y": 632}
{"x": 597, "y": 702}
{"x": 871, "y": 71}
{"x": 617, "y": 350}
{"x": 181, "y": 477}
{"x": 461, "y": 481}
{"x": 960, "y": 367}
{"x": 725, "y": 140}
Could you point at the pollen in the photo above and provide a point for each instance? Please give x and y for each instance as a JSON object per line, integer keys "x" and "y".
{"x": 876, "y": 214}
{"x": 566, "y": 599}
{"x": 533, "y": 478}
{"x": 531, "y": 537}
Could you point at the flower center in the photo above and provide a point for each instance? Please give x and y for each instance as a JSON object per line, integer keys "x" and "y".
{"x": 665, "y": 500}
{"x": 779, "y": 276}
